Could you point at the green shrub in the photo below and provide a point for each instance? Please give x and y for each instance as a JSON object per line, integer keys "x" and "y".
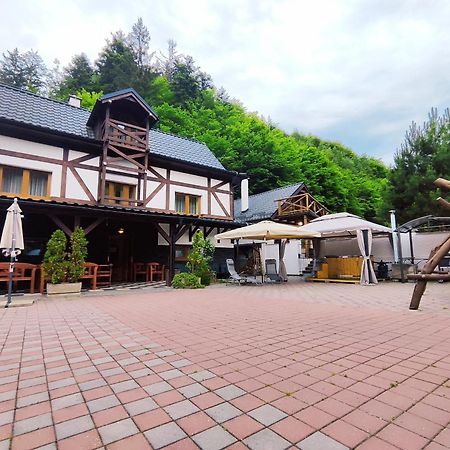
{"x": 62, "y": 266}
{"x": 77, "y": 255}
{"x": 200, "y": 257}
{"x": 55, "y": 264}
{"x": 186, "y": 281}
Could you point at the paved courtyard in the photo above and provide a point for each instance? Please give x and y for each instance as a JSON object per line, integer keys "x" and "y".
{"x": 310, "y": 366}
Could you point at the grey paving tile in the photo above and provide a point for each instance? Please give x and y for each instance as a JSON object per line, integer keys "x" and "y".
{"x": 51, "y": 446}
{"x": 192, "y": 390}
{"x": 113, "y": 371}
{"x": 103, "y": 403}
{"x": 320, "y": 441}
{"x": 87, "y": 385}
{"x": 140, "y": 406}
{"x": 202, "y": 375}
{"x": 10, "y": 379}
{"x": 149, "y": 345}
{"x": 139, "y": 373}
{"x": 154, "y": 362}
{"x": 33, "y": 423}
{"x": 85, "y": 370}
{"x": 165, "y": 353}
{"x": 267, "y": 414}
{"x": 181, "y": 409}
{"x": 179, "y": 363}
{"x": 32, "y": 399}
{"x": 124, "y": 386}
{"x": 215, "y": 438}
{"x": 127, "y": 361}
{"x": 268, "y": 440}
{"x": 4, "y": 445}
{"x": 6, "y": 417}
{"x": 164, "y": 435}
{"x": 117, "y": 430}
{"x": 170, "y": 374}
{"x": 73, "y": 427}
{"x": 158, "y": 388}
{"x": 32, "y": 382}
{"x": 230, "y": 392}
{"x": 8, "y": 395}
{"x": 61, "y": 383}
{"x": 223, "y": 412}
{"x": 68, "y": 400}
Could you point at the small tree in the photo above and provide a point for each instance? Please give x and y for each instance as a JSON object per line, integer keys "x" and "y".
{"x": 55, "y": 263}
{"x": 77, "y": 255}
{"x": 200, "y": 257}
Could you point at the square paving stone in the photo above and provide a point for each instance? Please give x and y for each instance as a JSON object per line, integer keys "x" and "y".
{"x": 268, "y": 440}
{"x": 320, "y": 440}
{"x": 267, "y": 414}
{"x": 223, "y": 412}
{"x": 165, "y": 435}
{"x": 193, "y": 390}
{"x": 4, "y": 445}
{"x": 117, "y": 430}
{"x": 181, "y": 409}
{"x": 124, "y": 386}
{"x": 170, "y": 374}
{"x": 73, "y": 427}
{"x": 230, "y": 392}
{"x": 140, "y": 406}
{"x": 165, "y": 353}
{"x": 158, "y": 388}
{"x": 202, "y": 375}
{"x": 215, "y": 438}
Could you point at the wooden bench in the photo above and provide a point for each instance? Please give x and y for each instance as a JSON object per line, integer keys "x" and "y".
{"x": 90, "y": 273}
{"x": 22, "y": 272}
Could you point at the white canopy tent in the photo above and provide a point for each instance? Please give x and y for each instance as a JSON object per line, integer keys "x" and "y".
{"x": 269, "y": 230}
{"x": 344, "y": 225}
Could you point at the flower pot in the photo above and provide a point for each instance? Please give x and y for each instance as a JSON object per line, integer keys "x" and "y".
{"x": 63, "y": 289}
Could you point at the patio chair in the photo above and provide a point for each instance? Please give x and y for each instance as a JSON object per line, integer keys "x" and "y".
{"x": 238, "y": 278}
{"x": 271, "y": 271}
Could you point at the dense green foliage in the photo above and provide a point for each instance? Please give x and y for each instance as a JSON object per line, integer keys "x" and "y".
{"x": 61, "y": 264}
{"x": 77, "y": 255}
{"x": 423, "y": 157}
{"x": 186, "y": 280}
{"x": 200, "y": 257}
{"x": 189, "y": 105}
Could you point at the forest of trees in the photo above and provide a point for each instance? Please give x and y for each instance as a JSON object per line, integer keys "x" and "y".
{"x": 190, "y": 105}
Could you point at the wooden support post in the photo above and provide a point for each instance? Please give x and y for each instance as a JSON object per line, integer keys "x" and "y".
{"x": 172, "y": 242}
{"x": 436, "y": 256}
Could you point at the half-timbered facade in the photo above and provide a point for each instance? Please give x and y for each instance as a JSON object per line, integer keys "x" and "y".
{"x": 139, "y": 193}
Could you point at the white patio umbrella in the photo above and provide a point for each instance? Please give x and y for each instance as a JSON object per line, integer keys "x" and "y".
{"x": 267, "y": 230}
{"x": 11, "y": 241}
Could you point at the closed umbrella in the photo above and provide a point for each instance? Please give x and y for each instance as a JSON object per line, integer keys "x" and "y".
{"x": 11, "y": 241}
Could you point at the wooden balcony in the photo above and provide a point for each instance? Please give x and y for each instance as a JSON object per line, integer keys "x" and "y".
{"x": 125, "y": 135}
{"x": 299, "y": 206}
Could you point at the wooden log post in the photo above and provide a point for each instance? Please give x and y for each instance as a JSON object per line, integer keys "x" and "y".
{"x": 436, "y": 256}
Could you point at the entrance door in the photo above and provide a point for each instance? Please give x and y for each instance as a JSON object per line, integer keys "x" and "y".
{"x": 119, "y": 257}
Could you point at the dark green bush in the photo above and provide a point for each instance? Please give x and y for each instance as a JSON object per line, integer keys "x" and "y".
{"x": 186, "y": 281}
{"x": 55, "y": 264}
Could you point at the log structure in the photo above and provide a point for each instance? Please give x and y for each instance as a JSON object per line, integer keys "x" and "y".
{"x": 437, "y": 254}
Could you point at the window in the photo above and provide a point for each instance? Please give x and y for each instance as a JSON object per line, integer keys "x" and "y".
{"x": 181, "y": 252}
{"x": 24, "y": 182}
{"x": 120, "y": 194}
{"x": 187, "y": 204}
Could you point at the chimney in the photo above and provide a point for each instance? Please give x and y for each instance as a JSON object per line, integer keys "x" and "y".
{"x": 74, "y": 101}
{"x": 244, "y": 194}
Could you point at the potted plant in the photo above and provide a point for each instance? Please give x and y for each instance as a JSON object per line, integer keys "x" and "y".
{"x": 62, "y": 268}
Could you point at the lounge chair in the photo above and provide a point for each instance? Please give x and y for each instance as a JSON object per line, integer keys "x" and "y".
{"x": 271, "y": 271}
{"x": 236, "y": 277}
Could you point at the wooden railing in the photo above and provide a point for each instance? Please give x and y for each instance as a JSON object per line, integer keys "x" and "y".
{"x": 299, "y": 205}
{"x": 125, "y": 135}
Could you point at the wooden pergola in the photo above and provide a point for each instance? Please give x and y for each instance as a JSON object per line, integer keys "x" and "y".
{"x": 299, "y": 208}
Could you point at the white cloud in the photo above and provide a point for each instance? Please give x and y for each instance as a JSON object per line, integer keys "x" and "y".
{"x": 357, "y": 71}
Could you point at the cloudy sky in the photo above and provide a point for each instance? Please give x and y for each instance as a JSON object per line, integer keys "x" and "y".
{"x": 357, "y": 72}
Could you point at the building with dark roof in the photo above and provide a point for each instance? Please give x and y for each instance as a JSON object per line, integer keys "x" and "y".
{"x": 139, "y": 193}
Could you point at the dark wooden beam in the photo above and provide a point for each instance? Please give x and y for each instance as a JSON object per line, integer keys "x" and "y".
{"x": 93, "y": 225}
{"x": 61, "y": 224}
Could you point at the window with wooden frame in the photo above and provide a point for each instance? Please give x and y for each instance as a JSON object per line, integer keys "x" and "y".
{"x": 120, "y": 194}
{"x": 15, "y": 181}
{"x": 187, "y": 204}
{"x": 181, "y": 252}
